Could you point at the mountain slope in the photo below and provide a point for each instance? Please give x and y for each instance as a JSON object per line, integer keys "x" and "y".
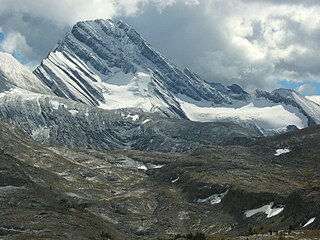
{"x": 53, "y": 120}
{"x": 13, "y": 74}
{"x": 314, "y": 98}
{"x": 107, "y": 64}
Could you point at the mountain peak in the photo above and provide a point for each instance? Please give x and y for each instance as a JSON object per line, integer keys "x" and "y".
{"x": 106, "y": 63}
{"x": 97, "y": 55}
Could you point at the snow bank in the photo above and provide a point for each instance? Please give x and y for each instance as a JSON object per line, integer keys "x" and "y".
{"x": 267, "y": 209}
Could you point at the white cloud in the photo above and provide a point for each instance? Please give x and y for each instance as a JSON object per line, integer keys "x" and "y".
{"x": 14, "y": 42}
{"x": 263, "y": 41}
{"x": 163, "y": 4}
{"x": 192, "y": 3}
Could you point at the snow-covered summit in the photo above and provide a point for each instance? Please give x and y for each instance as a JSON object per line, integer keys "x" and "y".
{"x": 108, "y": 64}
{"x": 14, "y": 74}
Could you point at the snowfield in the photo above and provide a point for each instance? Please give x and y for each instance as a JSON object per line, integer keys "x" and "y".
{"x": 268, "y": 118}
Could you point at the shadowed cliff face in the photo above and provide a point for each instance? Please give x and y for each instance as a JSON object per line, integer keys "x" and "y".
{"x": 145, "y": 195}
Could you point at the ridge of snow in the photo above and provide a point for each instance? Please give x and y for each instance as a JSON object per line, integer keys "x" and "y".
{"x": 310, "y": 107}
{"x": 258, "y": 111}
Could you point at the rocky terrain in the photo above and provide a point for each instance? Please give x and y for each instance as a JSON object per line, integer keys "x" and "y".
{"x": 55, "y": 193}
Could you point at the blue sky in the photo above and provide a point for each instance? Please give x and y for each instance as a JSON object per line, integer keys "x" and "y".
{"x": 1, "y": 36}
{"x": 306, "y": 88}
{"x": 16, "y": 53}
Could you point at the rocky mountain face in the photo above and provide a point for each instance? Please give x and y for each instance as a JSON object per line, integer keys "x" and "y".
{"x": 108, "y": 64}
{"x": 99, "y": 58}
{"x": 53, "y": 120}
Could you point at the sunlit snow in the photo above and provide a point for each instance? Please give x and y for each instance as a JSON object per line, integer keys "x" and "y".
{"x": 260, "y": 112}
{"x": 281, "y": 151}
{"x": 311, "y": 220}
{"x": 175, "y": 180}
{"x": 213, "y": 199}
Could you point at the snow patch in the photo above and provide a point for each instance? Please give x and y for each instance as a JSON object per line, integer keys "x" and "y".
{"x": 311, "y": 220}
{"x": 134, "y": 118}
{"x": 143, "y": 167}
{"x": 267, "y": 209}
{"x": 73, "y": 195}
{"x": 175, "y": 180}
{"x": 145, "y": 121}
{"x": 73, "y": 112}
{"x": 154, "y": 166}
{"x": 55, "y": 105}
{"x": 281, "y": 151}
{"x": 213, "y": 199}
